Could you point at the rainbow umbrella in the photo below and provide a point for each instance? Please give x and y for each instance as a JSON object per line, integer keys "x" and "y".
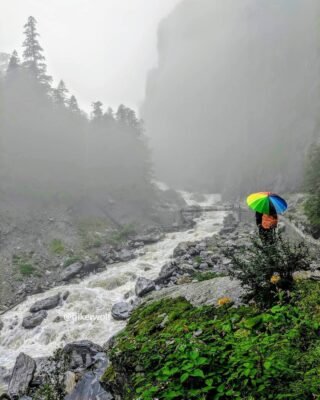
{"x": 267, "y": 203}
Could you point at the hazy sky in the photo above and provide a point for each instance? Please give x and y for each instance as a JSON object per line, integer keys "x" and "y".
{"x": 102, "y": 49}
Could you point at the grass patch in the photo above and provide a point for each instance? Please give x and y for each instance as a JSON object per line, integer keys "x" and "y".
{"x": 122, "y": 234}
{"x": 205, "y": 276}
{"x": 220, "y": 353}
{"x": 57, "y": 246}
{"x": 26, "y": 269}
{"x": 71, "y": 260}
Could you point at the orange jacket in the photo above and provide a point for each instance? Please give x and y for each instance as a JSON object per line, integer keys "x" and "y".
{"x": 269, "y": 221}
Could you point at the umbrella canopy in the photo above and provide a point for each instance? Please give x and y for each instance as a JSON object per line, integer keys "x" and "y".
{"x": 267, "y": 203}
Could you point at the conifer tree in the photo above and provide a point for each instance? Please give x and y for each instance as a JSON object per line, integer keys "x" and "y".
{"x": 72, "y": 104}
{"x": 14, "y": 62}
{"x": 97, "y": 111}
{"x": 60, "y": 94}
{"x": 34, "y": 60}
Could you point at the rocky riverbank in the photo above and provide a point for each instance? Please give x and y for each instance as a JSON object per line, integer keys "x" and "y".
{"x": 198, "y": 271}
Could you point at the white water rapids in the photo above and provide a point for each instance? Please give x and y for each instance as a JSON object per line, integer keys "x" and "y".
{"x": 94, "y": 296}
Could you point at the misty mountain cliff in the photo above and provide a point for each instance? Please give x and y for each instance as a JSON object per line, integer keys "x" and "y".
{"x": 233, "y": 104}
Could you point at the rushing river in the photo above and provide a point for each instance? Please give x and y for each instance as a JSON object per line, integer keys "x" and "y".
{"x": 94, "y": 296}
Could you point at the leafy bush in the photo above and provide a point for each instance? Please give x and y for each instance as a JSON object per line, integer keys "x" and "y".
{"x": 26, "y": 269}
{"x": 123, "y": 234}
{"x": 57, "y": 246}
{"x": 219, "y": 353}
{"x": 267, "y": 270}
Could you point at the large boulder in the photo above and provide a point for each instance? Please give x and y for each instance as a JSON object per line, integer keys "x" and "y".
{"x": 121, "y": 311}
{"x": 81, "y": 353}
{"x": 144, "y": 286}
{"x": 46, "y": 304}
{"x": 166, "y": 272}
{"x": 71, "y": 271}
{"x": 21, "y": 377}
{"x": 33, "y": 320}
{"x": 125, "y": 255}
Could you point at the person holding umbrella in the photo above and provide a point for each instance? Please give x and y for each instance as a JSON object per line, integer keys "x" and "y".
{"x": 267, "y": 206}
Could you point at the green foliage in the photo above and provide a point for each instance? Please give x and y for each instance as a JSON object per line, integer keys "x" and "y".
{"x": 26, "y": 269}
{"x": 123, "y": 233}
{"x": 205, "y": 276}
{"x": 257, "y": 265}
{"x": 312, "y": 185}
{"x": 220, "y": 353}
{"x": 57, "y": 246}
{"x": 71, "y": 260}
{"x": 198, "y": 259}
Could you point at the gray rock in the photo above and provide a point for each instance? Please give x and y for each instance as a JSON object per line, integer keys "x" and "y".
{"x": 1, "y": 324}
{"x": 33, "y": 320}
{"x": 144, "y": 286}
{"x": 65, "y": 295}
{"x": 121, "y": 311}
{"x": 71, "y": 271}
{"x": 149, "y": 238}
{"x": 125, "y": 255}
{"x": 166, "y": 272}
{"x": 202, "y": 293}
{"x": 22, "y": 375}
{"x": 204, "y": 266}
{"x": 46, "y": 304}
{"x": 82, "y": 353}
{"x": 180, "y": 250}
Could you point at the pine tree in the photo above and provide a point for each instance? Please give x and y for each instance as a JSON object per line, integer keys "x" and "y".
{"x": 60, "y": 94}
{"x": 34, "y": 60}
{"x": 14, "y": 62}
{"x": 72, "y": 104}
{"x": 97, "y": 111}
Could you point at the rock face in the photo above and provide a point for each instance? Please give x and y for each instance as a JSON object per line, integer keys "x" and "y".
{"x": 71, "y": 271}
{"x": 144, "y": 286}
{"x": 82, "y": 353}
{"x": 46, "y": 304}
{"x": 121, "y": 311}
{"x": 22, "y": 375}
{"x": 33, "y": 320}
{"x": 202, "y": 293}
{"x": 192, "y": 35}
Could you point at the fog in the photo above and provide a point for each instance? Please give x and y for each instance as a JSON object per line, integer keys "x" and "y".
{"x": 102, "y": 49}
{"x": 234, "y": 102}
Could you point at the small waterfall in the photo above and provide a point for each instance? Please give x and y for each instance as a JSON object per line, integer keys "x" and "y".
{"x": 86, "y": 312}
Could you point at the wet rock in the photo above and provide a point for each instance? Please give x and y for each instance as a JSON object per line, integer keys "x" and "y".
{"x": 65, "y": 295}
{"x": 125, "y": 255}
{"x": 149, "y": 238}
{"x": 22, "y": 375}
{"x": 1, "y": 324}
{"x": 166, "y": 272}
{"x": 82, "y": 353}
{"x": 144, "y": 286}
{"x": 58, "y": 319}
{"x": 204, "y": 266}
{"x": 121, "y": 311}
{"x": 71, "y": 271}
{"x": 180, "y": 250}
{"x": 69, "y": 381}
{"x": 46, "y": 304}
{"x": 33, "y": 320}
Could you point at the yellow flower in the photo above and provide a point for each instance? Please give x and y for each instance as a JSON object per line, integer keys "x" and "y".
{"x": 224, "y": 300}
{"x": 275, "y": 279}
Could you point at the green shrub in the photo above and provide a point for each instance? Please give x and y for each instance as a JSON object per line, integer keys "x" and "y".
{"x": 26, "y": 269}
{"x": 57, "y": 246}
{"x": 71, "y": 260}
{"x": 210, "y": 353}
{"x": 205, "y": 276}
{"x": 312, "y": 185}
{"x": 123, "y": 234}
{"x": 266, "y": 271}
